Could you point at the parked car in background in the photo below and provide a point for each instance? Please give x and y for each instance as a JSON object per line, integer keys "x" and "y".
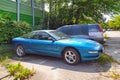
{"x": 88, "y": 31}
{"x": 58, "y": 44}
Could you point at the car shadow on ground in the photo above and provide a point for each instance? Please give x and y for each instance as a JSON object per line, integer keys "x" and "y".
{"x": 57, "y": 63}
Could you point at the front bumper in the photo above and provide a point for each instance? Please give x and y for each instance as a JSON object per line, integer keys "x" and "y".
{"x": 86, "y": 56}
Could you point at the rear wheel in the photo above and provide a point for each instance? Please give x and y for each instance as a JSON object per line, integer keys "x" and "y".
{"x": 71, "y": 56}
{"x": 20, "y": 51}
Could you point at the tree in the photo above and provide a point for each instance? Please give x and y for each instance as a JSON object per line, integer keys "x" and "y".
{"x": 114, "y": 23}
{"x": 81, "y": 11}
{"x": 63, "y": 12}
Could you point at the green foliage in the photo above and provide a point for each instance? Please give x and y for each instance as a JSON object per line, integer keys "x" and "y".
{"x": 63, "y": 12}
{"x": 20, "y": 72}
{"x": 10, "y": 29}
{"x": 4, "y": 58}
{"x": 38, "y": 27}
{"x": 5, "y": 46}
{"x": 6, "y": 52}
{"x": 114, "y": 23}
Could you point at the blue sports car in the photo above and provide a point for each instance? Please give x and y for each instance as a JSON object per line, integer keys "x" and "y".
{"x": 58, "y": 44}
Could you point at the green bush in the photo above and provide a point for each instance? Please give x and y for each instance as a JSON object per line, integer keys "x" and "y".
{"x": 10, "y": 29}
{"x": 39, "y": 27}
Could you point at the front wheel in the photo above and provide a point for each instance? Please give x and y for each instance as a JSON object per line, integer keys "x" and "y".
{"x": 71, "y": 56}
{"x": 20, "y": 51}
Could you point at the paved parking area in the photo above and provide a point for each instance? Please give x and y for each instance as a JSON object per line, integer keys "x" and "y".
{"x": 112, "y": 47}
{"x": 50, "y": 68}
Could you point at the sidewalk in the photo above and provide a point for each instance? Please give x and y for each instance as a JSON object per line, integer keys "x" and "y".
{"x": 4, "y": 73}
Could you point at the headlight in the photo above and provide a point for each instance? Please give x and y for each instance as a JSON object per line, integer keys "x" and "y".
{"x": 92, "y": 52}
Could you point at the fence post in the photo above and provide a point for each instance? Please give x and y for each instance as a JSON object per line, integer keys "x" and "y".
{"x": 18, "y": 10}
{"x": 33, "y": 18}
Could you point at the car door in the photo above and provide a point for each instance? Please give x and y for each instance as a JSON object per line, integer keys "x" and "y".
{"x": 41, "y": 44}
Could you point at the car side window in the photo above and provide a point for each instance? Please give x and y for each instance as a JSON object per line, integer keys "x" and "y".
{"x": 44, "y": 36}
{"x": 36, "y": 36}
{"x": 41, "y": 36}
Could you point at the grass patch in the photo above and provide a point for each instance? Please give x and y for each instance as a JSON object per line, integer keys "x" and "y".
{"x": 4, "y": 58}
{"x": 6, "y": 48}
{"x": 105, "y": 59}
{"x": 6, "y": 52}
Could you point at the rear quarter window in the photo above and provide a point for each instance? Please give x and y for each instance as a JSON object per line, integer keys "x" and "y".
{"x": 93, "y": 28}
{"x": 79, "y": 30}
{"x": 74, "y": 30}
{"x": 65, "y": 30}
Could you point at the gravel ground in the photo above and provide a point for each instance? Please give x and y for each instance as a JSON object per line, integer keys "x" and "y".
{"x": 49, "y": 68}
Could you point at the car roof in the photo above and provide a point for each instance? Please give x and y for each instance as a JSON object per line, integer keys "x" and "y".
{"x": 77, "y": 25}
{"x": 43, "y": 31}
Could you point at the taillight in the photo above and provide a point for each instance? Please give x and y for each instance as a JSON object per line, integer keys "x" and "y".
{"x": 100, "y": 28}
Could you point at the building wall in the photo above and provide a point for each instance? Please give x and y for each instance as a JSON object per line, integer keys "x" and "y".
{"x": 9, "y": 7}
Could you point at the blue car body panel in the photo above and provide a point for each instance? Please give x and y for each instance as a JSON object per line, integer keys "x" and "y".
{"x": 55, "y": 48}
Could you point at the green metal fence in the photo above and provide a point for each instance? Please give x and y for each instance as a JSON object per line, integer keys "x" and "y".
{"x": 9, "y": 7}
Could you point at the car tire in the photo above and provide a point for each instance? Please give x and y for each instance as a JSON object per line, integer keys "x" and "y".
{"x": 20, "y": 51}
{"x": 71, "y": 56}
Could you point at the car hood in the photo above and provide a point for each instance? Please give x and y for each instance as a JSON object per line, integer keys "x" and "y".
{"x": 81, "y": 42}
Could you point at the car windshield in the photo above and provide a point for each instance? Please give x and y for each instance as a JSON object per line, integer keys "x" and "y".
{"x": 59, "y": 35}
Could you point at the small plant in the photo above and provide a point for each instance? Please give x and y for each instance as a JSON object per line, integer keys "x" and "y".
{"x": 4, "y": 61}
{"x": 4, "y": 58}
{"x": 20, "y": 72}
{"x": 25, "y": 74}
{"x": 105, "y": 59}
